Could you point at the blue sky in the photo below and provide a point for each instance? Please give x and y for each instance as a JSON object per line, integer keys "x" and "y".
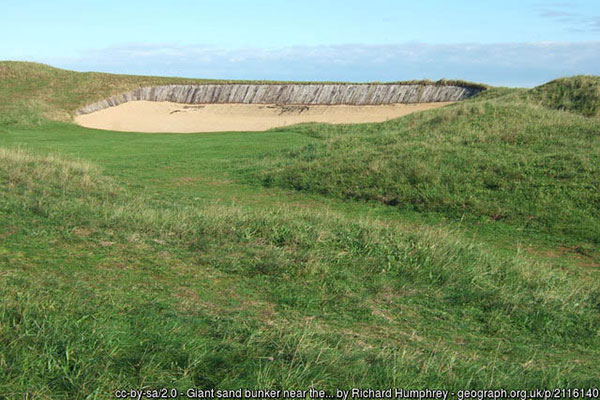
{"x": 509, "y": 42}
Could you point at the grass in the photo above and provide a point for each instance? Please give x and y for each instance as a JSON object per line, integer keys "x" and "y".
{"x": 485, "y": 159}
{"x": 580, "y": 94}
{"x": 162, "y": 260}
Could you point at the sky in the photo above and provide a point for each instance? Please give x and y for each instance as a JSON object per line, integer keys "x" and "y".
{"x": 503, "y": 42}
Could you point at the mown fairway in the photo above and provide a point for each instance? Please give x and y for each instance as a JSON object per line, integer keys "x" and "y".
{"x": 456, "y": 248}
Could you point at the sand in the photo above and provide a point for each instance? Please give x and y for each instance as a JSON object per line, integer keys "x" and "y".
{"x": 149, "y": 116}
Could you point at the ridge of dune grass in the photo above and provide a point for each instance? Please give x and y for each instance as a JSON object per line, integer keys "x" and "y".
{"x": 578, "y": 94}
{"x": 102, "y": 288}
{"x": 489, "y": 158}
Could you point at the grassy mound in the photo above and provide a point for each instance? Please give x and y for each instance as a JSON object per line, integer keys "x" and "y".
{"x": 579, "y": 94}
{"x": 489, "y": 158}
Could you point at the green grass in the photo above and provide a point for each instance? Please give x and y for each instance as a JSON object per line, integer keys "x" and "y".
{"x": 162, "y": 260}
{"x": 535, "y": 169}
{"x": 580, "y": 94}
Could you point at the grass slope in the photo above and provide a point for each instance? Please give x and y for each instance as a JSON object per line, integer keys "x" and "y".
{"x": 102, "y": 287}
{"x": 160, "y": 260}
{"x": 580, "y": 94}
{"x": 493, "y": 158}
{"x": 31, "y": 93}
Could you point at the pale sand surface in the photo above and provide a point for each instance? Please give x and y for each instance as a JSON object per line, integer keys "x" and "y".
{"x": 149, "y": 116}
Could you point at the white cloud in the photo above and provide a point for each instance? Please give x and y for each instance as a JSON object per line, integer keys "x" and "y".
{"x": 512, "y": 64}
{"x": 565, "y": 14}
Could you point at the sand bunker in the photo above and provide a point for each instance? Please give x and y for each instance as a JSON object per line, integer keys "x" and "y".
{"x": 149, "y": 116}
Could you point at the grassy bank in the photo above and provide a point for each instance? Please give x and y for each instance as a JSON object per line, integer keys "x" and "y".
{"x": 134, "y": 260}
{"x": 580, "y": 95}
{"x": 498, "y": 158}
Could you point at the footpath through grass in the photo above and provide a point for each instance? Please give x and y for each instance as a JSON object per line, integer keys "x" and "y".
{"x": 159, "y": 260}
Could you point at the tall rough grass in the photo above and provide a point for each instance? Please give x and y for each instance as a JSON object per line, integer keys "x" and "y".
{"x": 321, "y": 299}
{"x": 580, "y": 94}
{"x": 490, "y": 159}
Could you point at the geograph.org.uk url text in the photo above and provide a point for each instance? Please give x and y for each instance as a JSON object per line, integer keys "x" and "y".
{"x": 360, "y": 393}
